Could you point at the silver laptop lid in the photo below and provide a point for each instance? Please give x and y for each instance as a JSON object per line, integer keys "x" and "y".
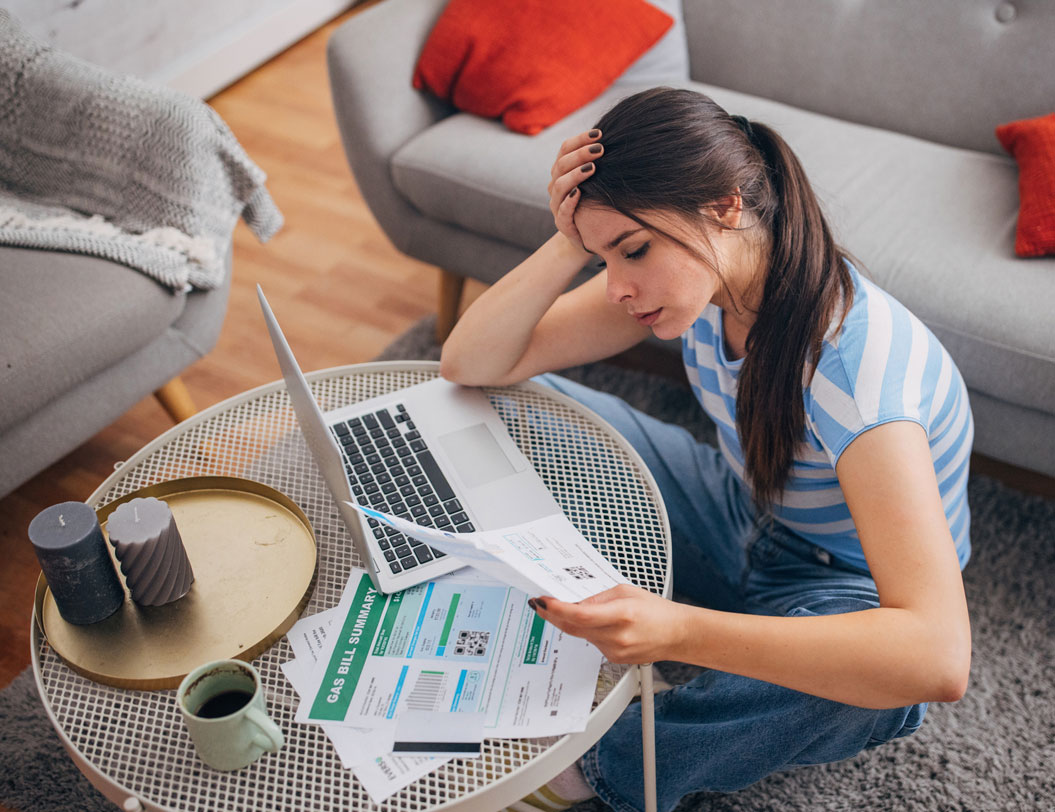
{"x": 321, "y": 442}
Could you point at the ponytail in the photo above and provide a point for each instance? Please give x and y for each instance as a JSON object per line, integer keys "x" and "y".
{"x": 807, "y": 281}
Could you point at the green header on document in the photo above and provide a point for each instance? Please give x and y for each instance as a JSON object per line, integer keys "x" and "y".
{"x": 349, "y": 654}
{"x": 534, "y": 641}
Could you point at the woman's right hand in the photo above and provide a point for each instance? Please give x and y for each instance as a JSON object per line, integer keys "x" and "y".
{"x": 574, "y": 164}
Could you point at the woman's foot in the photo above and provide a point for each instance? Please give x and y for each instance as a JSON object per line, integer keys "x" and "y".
{"x": 563, "y": 792}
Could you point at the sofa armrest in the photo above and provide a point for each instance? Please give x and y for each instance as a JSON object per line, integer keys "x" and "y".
{"x": 371, "y": 64}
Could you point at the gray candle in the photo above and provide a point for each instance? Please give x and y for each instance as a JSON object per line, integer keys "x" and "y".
{"x": 149, "y": 547}
{"x": 72, "y": 553}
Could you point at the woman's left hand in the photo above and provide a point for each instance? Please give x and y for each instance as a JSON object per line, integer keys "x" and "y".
{"x": 628, "y": 624}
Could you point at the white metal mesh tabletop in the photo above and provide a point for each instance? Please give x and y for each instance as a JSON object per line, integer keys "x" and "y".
{"x": 133, "y": 744}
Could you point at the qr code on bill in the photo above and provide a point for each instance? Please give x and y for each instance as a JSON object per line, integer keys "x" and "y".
{"x": 472, "y": 644}
{"x": 578, "y": 573}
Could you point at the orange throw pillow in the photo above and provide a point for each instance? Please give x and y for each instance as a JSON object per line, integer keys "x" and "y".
{"x": 1032, "y": 143}
{"x": 532, "y": 62}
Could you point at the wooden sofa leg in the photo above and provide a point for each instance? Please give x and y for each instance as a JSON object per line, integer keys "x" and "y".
{"x": 451, "y": 286}
{"x": 176, "y": 400}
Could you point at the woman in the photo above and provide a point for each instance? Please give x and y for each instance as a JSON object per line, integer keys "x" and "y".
{"x": 824, "y": 539}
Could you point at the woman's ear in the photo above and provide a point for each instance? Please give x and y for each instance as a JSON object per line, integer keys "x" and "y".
{"x": 726, "y": 210}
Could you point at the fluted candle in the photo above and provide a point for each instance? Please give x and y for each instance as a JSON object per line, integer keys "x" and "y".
{"x": 148, "y": 545}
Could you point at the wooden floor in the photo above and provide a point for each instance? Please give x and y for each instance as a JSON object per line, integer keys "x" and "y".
{"x": 340, "y": 289}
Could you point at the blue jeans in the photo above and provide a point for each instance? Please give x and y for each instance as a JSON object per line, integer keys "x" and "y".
{"x": 722, "y": 732}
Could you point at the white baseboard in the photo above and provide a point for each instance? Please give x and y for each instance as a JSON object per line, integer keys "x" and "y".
{"x": 223, "y": 60}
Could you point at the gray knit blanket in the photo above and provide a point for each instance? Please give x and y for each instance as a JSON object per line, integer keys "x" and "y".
{"x": 100, "y": 163}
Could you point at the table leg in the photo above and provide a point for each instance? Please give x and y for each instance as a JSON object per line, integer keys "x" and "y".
{"x": 648, "y": 734}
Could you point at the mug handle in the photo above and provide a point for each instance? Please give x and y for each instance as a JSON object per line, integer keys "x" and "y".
{"x": 272, "y": 738}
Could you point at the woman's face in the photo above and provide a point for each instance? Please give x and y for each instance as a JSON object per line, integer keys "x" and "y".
{"x": 660, "y": 284}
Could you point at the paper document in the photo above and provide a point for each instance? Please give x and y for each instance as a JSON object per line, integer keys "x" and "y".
{"x": 546, "y": 556}
{"x": 381, "y": 775}
{"x": 450, "y": 646}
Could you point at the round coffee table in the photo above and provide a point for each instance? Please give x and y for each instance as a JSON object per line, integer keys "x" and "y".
{"x": 132, "y": 745}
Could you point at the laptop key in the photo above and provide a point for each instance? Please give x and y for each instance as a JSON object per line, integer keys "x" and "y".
{"x": 465, "y": 528}
{"x": 403, "y": 451}
{"x": 359, "y": 431}
{"x": 390, "y": 531}
{"x": 370, "y": 421}
{"x": 395, "y": 507}
{"x": 414, "y": 543}
{"x": 385, "y": 418}
{"x": 417, "y": 510}
{"x": 435, "y": 475}
{"x": 389, "y": 555}
{"x": 384, "y": 544}
{"x": 402, "y": 550}
{"x": 408, "y": 562}
{"x": 423, "y": 554}
{"x": 413, "y": 499}
{"x": 413, "y": 470}
{"x": 430, "y": 499}
{"x": 453, "y": 506}
{"x": 435, "y": 510}
{"x": 396, "y": 569}
{"x": 444, "y": 522}
{"x": 419, "y": 445}
{"x": 388, "y": 487}
{"x": 342, "y": 429}
{"x": 459, "y": 518}
{"x": 402, "y": 480}
{"x": 412, "y": 435}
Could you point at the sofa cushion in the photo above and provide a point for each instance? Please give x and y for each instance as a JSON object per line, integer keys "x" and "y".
{"x": 1032, "y": 144}
{"x": 67, "y": 318}
{"x": 934, "y": 225}
{"x": 531, "y": 63}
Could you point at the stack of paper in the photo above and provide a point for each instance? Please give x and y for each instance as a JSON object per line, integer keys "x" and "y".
{"x": 401, "y": 683}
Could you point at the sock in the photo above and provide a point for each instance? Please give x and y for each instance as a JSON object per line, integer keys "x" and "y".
{"x": 563, "y": 792}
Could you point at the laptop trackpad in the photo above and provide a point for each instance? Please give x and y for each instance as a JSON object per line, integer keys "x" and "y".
{"x": 476, "y": 455}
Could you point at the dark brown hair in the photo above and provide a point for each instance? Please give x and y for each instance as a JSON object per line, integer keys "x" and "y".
{"x": 677, "y": 151}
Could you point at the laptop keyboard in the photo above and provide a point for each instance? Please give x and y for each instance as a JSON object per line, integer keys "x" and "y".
{"x": 391, "y": 469}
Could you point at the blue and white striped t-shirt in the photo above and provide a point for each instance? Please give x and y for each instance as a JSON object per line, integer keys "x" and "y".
{"x": 882, "y": 365}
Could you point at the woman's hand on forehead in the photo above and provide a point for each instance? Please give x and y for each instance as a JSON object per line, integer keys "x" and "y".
{"x": 574, "y": 164}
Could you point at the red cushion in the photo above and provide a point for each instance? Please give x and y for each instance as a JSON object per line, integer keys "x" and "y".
{"x": 532, "y": 62}
{"x": 1032, "y": 143}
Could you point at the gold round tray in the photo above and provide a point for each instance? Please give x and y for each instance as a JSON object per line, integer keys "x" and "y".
{"x": 253, "y": 554}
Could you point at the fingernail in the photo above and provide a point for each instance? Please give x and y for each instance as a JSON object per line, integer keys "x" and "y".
{"x": 587, "y": 167}
{"x": 540, "y": 602}
{"x": 593, "y": 133}
{"x": 595, "y": 148}
{"x": 573, "y": 192}
{"x": 531, "y": 602}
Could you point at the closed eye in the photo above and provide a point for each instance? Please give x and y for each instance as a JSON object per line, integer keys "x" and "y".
{"x": 640, "y": 252}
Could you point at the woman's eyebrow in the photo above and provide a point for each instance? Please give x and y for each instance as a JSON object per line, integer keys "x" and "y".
{"x": 619, "y": 239}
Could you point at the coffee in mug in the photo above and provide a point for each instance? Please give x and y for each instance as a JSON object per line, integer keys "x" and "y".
{"x": 222, "y": 703}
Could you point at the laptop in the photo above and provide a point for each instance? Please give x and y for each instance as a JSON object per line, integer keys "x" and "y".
{"x": 436, "y": 453}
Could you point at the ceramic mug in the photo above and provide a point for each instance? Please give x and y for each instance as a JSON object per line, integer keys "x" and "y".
{"x": 222, "y": 703}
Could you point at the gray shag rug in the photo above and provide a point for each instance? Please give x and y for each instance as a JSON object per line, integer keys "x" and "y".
{"x": 993, "y": 750}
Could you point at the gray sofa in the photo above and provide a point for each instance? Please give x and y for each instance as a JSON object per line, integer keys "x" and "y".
{"x": 118, "y": 200}
{"x": 83, "y": 339}
{"x": 890, "y": 104}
